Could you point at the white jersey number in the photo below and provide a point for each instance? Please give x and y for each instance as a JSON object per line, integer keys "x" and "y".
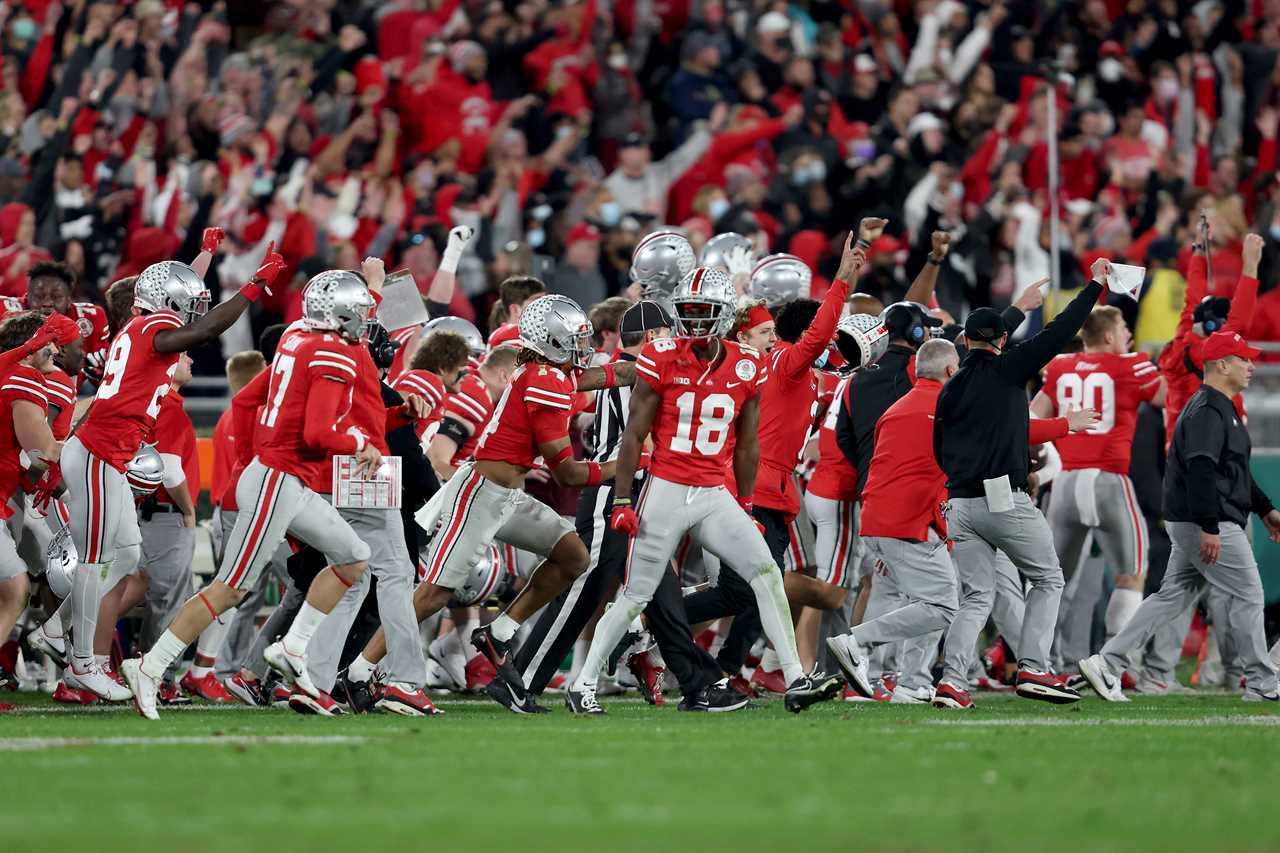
{"x": 113, "y": 370}
{"x": 282, "y": 372}
{"x": 1091, "y": 391}
{"x": 712, "y": 430}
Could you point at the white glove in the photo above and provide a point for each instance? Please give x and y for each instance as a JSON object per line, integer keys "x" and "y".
{"x": 739, "y": 260}
{"x": 459, "y": 238}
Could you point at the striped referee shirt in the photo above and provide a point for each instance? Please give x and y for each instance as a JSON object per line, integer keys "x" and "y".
{"x": 604, "y": 438}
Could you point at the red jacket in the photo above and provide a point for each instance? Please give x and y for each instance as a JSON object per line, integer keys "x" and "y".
{"x": 724, "y": 149}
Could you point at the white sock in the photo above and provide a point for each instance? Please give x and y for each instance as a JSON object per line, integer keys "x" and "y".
{"x": 360, "y": 669}
{"x": 210, "y": 641}
{"x": 769, "y": 660}
{"x": 199, "y": 672}
{"x": 1120, "y": 609}
{"x": 85, "y": 597}
{"x": 166, "y": 650}
{"x": 775, "y": 619}
{"x": 303, "y": 627}
{"x": 504, "y": 627}
{"x": 101, "y": 660}
{"x": 609, "y": 630}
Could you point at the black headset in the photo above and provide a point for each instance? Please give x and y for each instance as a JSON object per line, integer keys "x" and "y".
{"x": 906, "y": 320}
{"x": 1212, "y": 313}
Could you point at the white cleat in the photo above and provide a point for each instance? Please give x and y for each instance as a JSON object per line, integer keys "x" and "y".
{"x": 144, "y": 688}
{"x": 54, "y": 647}
{"x": 292, "y": 668}
{"x": 97, "y": 682}
{"x": 911, "y": 696}
{"x": 852, "y": 660}
{"x": 1251, "y": 695}
{"x": 1153, "y": 687}
{"x": 447, "y": 652}
{"x": 1100, "y": 677}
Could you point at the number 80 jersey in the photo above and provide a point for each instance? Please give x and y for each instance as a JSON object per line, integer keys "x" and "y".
{"x": 1112, "y": 383}
{"x": 700, "y": 405}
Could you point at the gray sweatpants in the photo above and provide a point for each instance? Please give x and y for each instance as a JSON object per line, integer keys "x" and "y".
{"x": 238, "y": 645}
{"x": 167, "y": 551}
{"x": 389, "y": 560}
{"x": 1234, "y": 576}
{"x": 1024, "y": 536}
{"x": 925, "y": 581}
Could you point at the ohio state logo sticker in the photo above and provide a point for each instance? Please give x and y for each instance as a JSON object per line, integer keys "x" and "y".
{"x": 745, "y": 370}
{"x": 86, "y": 328}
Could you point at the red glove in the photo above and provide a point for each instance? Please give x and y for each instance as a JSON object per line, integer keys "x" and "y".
{"x": 46, "y": 486}
{"x": 272, "y": 266}
{"x": 213, "y": 238}
{"x": 65, "y": 330}
{"x": 745, "y": 502}
{"x": 625, "y": 519}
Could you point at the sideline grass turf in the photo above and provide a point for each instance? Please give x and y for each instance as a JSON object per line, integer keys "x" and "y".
{"x": 1164, "y": 773}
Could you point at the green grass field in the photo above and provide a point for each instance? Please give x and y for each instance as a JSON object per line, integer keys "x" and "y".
{"x": 1175, "y": 773}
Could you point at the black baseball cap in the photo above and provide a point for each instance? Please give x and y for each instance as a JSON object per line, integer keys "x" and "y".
{"x": 643, "y": 316}
{"x": 635, "y": 139}
{"x": 984, "y": 325}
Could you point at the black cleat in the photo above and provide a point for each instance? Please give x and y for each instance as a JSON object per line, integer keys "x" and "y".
{"x": 357, "y": 695}
{"x": 502, "y": 656}
{"x": 628, "y": 640}
{"x": 499, "y": 692}
{"x": 716, "y": 698}
{"x": 811, "y": 689}
{"x": 582, "y": 702}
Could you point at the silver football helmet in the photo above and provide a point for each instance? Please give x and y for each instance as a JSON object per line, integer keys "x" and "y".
{"x": 337, "y": 301}
{"x": 457, "y": 325}
{"x": 861, "y": 339}
{"x": 781, "y": 278}
{"x": 556, "y": 328}
{"x": 60, "y": 564}
{"x": 704, "y": 304}
{"x": 145, "y": 471}
{"x": 660, "y": 261}
{"x": 487, "y": 579}
{"x": 172, "y": 286}
{"x": 716, "y": 252}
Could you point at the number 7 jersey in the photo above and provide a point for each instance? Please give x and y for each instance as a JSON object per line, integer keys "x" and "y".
{"x": 135, "y": 378}
{"x": 1112, "y": 383}
{"x": 700, "y": 405}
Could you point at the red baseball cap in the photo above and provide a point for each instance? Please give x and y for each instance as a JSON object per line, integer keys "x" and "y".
{"x": 1222, "y": 344}
{"x": 508, "y": 334}
{"x": 582, "y": 231}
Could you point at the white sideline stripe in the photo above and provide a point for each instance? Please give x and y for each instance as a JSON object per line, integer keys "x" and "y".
{"x": 1219, "y": 720}
{"x": 34, "y": 744}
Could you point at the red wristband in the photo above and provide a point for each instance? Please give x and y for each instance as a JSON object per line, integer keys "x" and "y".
{"x": 610, "y": 375}
{"x": 251, "y": 291}
{"x": 566, "y": 452}
{"x": 593, "y": 474}
{"x": 746, "y": 503}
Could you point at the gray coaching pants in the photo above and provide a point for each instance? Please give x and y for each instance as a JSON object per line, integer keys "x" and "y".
{"x": 1234, "y": 577}
{"x": 383, "y": 530}
{"x": 1024, "y": 536}
{"x": 167, "y": 551}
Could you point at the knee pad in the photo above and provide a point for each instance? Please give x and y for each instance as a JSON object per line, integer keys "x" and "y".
{"x": 125, "y": 563}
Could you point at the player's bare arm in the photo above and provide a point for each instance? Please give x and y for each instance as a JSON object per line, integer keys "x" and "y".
{"x": 1042, "y": 406}
{"x": 921, "y": 289}
{"x": 746, "y": 450}
{"x": 223, "y": 315}
{"x": 644, "y": 408}
{"x": 618, "y": 375}
{"x": 33, "y": 434}
{"x": 453, "y": 434}
{"x": 569, "y": 471}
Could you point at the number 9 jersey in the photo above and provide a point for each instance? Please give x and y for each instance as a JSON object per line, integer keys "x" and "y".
{"x": 1112, "y": 383}
{"x": 135, "y": 378}
{"x": 700, "y": 405}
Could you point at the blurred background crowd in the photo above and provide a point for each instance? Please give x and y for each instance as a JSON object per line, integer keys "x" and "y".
{"x": 564, "y": 131}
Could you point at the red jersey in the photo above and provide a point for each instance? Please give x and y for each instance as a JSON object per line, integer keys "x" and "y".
{"x": 534, "y": 409}
{"x": 61, "y": 391}
{"x": 789, "y": 405}
{"x": 905, "y": 487}
{"x": 700, "y": 404}
{"x": 304, "y": 359}
{"x": 402, "y": 337}
{"x": 91, "y": 318}
{"x": 174, "y": 436}
{"x": 23, "y": 384}
{"x": 428, "y": 386}
{"x": 471, "y": 405}
{"x": 835, "y": 478}
{"x": 368, "y": 412}
{"x": 246, "y": 410}
{"x": 1113, "y": 384}
{"x": 224, "y": 455}
{"x": 135, "y": 379}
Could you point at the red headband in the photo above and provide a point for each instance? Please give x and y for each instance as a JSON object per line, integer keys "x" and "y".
{"x": 757, "y": 315}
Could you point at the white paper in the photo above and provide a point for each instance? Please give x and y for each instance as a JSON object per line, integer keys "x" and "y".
{"x": 999, "y": 493}
{"x": 402, "y": 304}
{"x": 1126, "y": 280}
{"x": 379, "y": 490}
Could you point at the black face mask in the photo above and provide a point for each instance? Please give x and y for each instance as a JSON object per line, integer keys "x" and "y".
{"x": 381, "y": 348}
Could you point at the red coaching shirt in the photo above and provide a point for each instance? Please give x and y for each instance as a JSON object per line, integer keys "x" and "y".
{"x": 1114, "y": 385}
{"x": 534, "y": 409}
{"x": 174, "y": 435}
{"x": 135, "y": 379}
{"x": 24, "y": 384}
{"x": 700, "y": 404}
{"x": 835, "y": 478}
{"x": 246, "y": 409}
{"x": 905, "y": 487}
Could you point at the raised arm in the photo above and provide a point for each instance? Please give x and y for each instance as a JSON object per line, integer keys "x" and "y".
{"x": 1246, "y": 295}
{"x": 921, "y": 289}
{"x": 222, "y": 316}
{"x": 1197, "y": 279}
{"x": 1025, "y": 360}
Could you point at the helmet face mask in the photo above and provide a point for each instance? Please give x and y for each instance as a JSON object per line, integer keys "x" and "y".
{"x": 556, "y": 328}
{"x": 172, "y": 286}
{"x": 145, "y": 471}
{"x": 704, "y": 304}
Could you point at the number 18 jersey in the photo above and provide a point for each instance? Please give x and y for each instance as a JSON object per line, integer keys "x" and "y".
{"x": 1112, "y": 383}
{"x": 700, "y": 405}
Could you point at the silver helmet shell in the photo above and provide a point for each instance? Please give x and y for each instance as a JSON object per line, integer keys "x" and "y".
{"x": 171, "y": 286}
{"x": 781, "y": 278}
{"x": 704, "y": 304}
{"x": 556, "y": 328}
{"x": 660, "y": 260}
{"x": 861, "y": 339}
{"x": 459, "y": 326}
{"x": 337, "y": 301}
{"x": 145, "y": 471}
{"x": 60, "y": 564}
{"x": 716, "y": 252}
{"x": 488, "y": 579}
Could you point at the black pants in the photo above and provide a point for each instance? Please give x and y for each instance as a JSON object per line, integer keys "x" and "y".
{"x": 733, "y": 596}
{"x": 563, "y": 619}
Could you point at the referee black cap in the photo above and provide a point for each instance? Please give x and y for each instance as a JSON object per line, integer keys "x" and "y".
{"x": 643, "y": 316}
{"x": 985, "y": 325}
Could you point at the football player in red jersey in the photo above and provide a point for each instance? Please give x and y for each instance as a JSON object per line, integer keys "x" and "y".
{"x": 469, "y": 411}
{"x": 1093, "y": 494}
{"x": 484, "y": 502}
{"x": 438, "y": 367}
{"x": 49, "y": 288}
{"x": 170, "y": 315}
{"x": 281, "y": 491}
{"x": 695, "y": 392}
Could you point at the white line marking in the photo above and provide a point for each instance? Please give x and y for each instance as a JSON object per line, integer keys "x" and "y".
{"x": 34, "y": 744}
{"x": 1220, "y": 720}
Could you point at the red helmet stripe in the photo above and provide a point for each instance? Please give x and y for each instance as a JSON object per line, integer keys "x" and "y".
{"x": 696, "y": 284}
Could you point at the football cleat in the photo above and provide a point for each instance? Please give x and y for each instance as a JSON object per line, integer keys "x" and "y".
{"x": 949, "y": 696}
{"x": 557, "y": 684}
{"x": 447, "y": 652}
{"x": 400, "y": 699}
{"x": 360, "y": 696}
{"x": 280, "y": 695}
{"x": 479, "y": 672}
{"x": 54, "y": 647}
{"x": 582, "y": 702}
{"x": 502, "y": 656}
{"x": 1252, "y": 695}
{"x": 248, "y": 692}
{"x": 499, "y": 693}
{"x": 1156, "y": 687}
{"x": 7, "y": 706}
{"x": 67, "y": 694}
{"x": 1045, "y": 686}
{"x": 207, "y": 687}
{"x": 170, "y": 694}
{"x": 770, "y": 682}
{"x": 715, "y": 698}
{"x": 628, "y": 640}
{"x": 811, "y": 689}
{"x": 144, "y": 687}
{"x": 741, "y": 685}
{"x": 903, "y": 695}
{"x": 292, "y": 668}
{"x": 101, "y": 683}
{"x": 852, "y": 660}
{"x": 648, "y": 678}
{"x": 1100, "y": 677}
{"x": 321, "y": 705}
